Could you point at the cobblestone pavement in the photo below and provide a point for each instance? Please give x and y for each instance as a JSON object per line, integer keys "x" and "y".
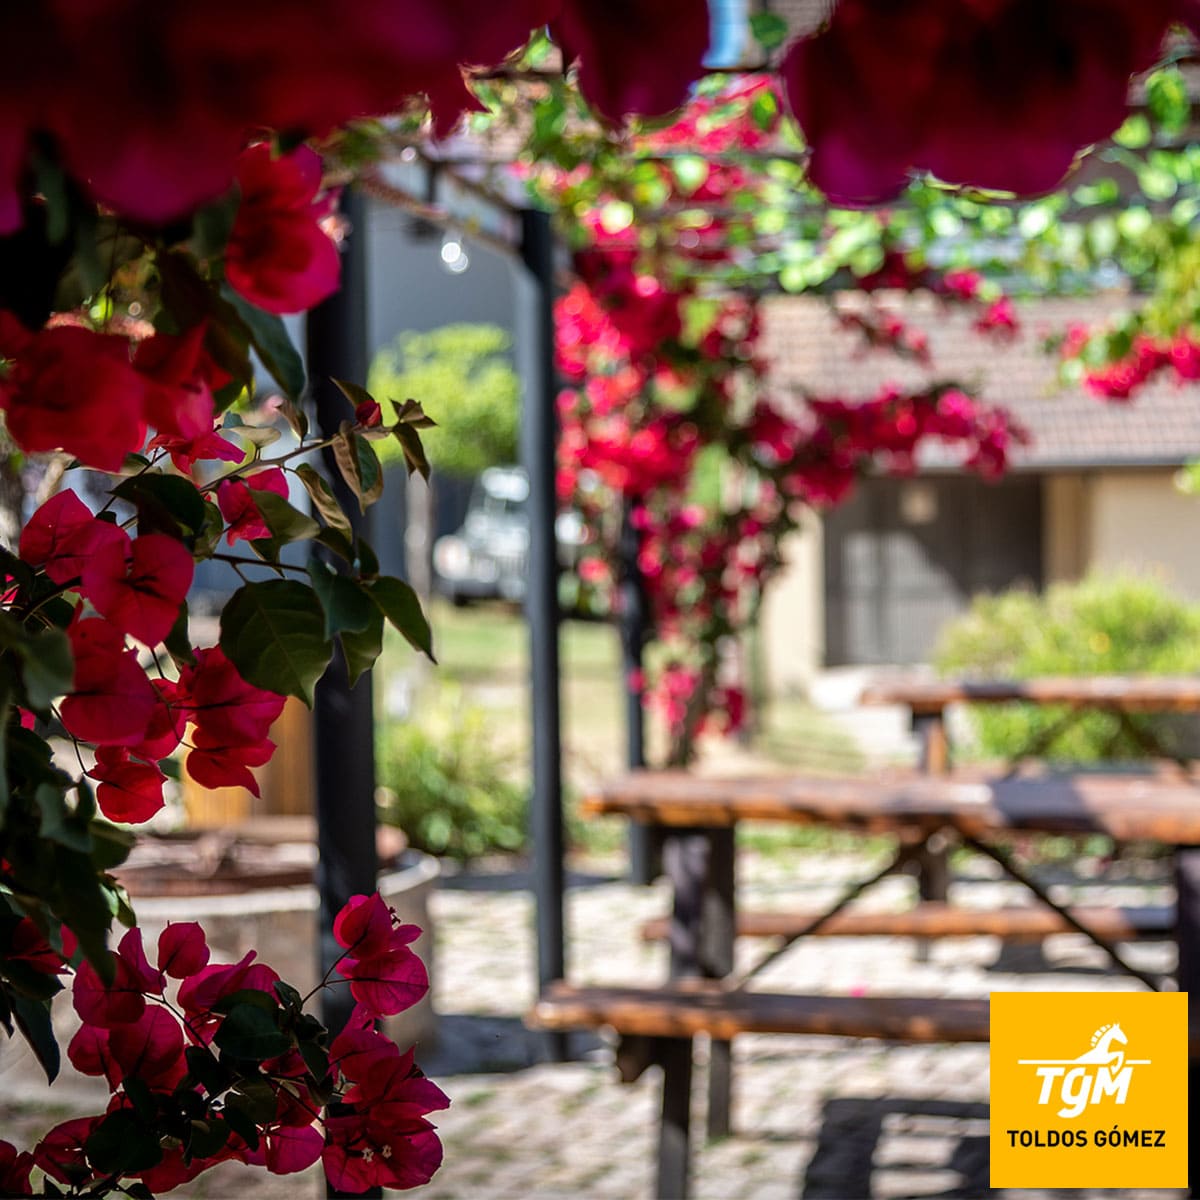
{"x": 814, "y": 1117}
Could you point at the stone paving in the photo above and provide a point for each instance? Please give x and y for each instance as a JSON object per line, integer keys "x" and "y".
{"x": 815, "y": 1117}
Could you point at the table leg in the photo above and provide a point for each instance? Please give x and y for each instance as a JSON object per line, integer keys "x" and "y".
{"x": 674, "y": 1138}
{"x": 932, "y": 862}
{"x": 700, "y": 865}
{"x": 1187, "y": 938}
{"x": 720, "y": 923}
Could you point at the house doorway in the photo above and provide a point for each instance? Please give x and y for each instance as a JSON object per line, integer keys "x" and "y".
{"x": 904, "y": 556}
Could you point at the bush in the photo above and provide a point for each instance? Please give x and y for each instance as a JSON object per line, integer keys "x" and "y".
{"x": 446, "y": 788}
{"x": 1121, "y": 625}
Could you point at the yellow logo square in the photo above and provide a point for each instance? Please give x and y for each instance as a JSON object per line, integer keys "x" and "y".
{"x": 1089, "y": 1089}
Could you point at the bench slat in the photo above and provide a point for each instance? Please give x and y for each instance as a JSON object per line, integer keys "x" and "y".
{"x": 935, "y": 919}
{"x": 684, "y": 1010}
{"x": 1128, "y": 807}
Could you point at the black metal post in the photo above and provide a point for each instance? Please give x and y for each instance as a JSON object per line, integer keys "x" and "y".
{"x": 538, "y": 442}
{"x": 1187, "y": 975}
{"x": 645, "y": 845}
{"x": 347, "y": 865}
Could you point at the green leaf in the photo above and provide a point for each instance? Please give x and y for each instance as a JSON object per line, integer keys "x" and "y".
{"x": 287, "y": 524}
{"x": 122, "y": 1144}
{"x": 274, "y": 634}
{"x": 400, "y": 604}
{"x": 362, "y": 649}
{"x": 207, "y": 1070}
{"x": 359, "y": 465}
{"x": 251, "y": 1034}
{"x": 270, "y": 339}
{"x": 58, "y": 822}
{"x": 768, "y": 29}
{"x": 347, "y": 606}
{"x": 83, "y": 904}
{"x": 165, "y": 503}
{"x": 178, "y": 642}
{"x": 33, "y": 1019}
{"x": 338, "y": 542}
{"x": 47, "y": 668}
{"x": 324, "y": 501}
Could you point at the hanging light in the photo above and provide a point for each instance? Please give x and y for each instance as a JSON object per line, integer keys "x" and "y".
{"x": 453, "y": 253}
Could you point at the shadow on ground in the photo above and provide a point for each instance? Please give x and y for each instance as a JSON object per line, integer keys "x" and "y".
{"x": 485, "y": 1045}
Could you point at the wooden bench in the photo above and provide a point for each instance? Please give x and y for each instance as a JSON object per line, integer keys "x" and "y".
{"x": 936, "y": 919}
{"x": 657, "y": 1026}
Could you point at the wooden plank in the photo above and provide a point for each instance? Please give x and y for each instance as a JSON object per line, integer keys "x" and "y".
{"x": 1150, "y": 693}
{"x": 1128, "y": 807}
{"x": 932, "y": 919}
{"x": 683, "y": 1010}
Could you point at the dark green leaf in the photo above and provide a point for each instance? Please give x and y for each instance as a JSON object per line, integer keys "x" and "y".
{"x": 289, "y": 997}
{"x": 178, "y": 642}
{"x": 122, "y": 1144}
{"x": 359, "y": 465}
{"x": 274, "y": 633}
{"x": 84, "y": 905}
{"x": 251, "y": 1034}
{"x": 270, "y": 338}
{"x": 208, "y": 1136}
{"x": 141, "y": 1097}
{"x": 58, "y": 823}
{"x": 368, "y": 563}
{"x": 207, "y": 1070}
{"x": 165, "y": 503}
{"x": 110, "y": 845}
{"x": 46, "y": 668}
{"x": 338, "y": 542}
{"x": 354, "y": 393}
{"x": 414, "y": 451}
{"x": 33, "y": 1019}
{"x": 347, "y": 607}
{"x": 323, "y": 498}
{"x": 316, "y": 1059}
{"x": 364, "y": 648}
{"x": 240, "y": 1121}
{"x": 400, "y": 604}
{"x": 256, "y": 1097}
{"x": 287, "y": 524}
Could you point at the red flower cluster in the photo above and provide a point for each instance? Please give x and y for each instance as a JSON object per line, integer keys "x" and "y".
{"x": 1147, "y": 357}
{"x": 69, "y": 388}
{"x": 278, "y": 255}
{"x": 373, "y": 1129}
{"x": 993, "y": 93}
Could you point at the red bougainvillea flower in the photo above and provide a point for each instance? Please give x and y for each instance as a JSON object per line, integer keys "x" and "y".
{"x": 167, "y": 723}
{"x": 182, "y": 950}
{"x": 369, "y": 414}
{"x": 202, "y": 991}
{"x": 995, "y": 93}
{"x": 111, "y": 701}
{"x": 386, "y": 977}
{"x": 140, "y": 589}
{"x": 70, "y": 389}
{"x": 129, "y": 791}
{"x": 208, "y": 447}
{"x": 213, "y": 765}
{"x": 124, "y": 1000}
{"x": 61, "y": 1152}
{"x": 63, "y": 535}
{"x": 28, "y": 945}
{"x": 386, "y": 1140}
{"x": 150, "y": 1049}
{"x": 620, "y": 47}
{"x": 278, "y": 255}
{"x": 180, "y": 379}
{"x": 235, "y": 499}
{"x": 222, "y": 704}
{"x": 14, "y": 1171}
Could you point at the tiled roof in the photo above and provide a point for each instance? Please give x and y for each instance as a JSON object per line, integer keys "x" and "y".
{"x": 1070, "y": 428}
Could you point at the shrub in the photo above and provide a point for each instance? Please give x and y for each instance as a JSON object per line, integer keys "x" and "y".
{"x": 445, "y": 786}
{"x": 1120, "y": 625}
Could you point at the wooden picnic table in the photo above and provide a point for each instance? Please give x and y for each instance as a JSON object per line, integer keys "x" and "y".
{"x": 926, "y": 811}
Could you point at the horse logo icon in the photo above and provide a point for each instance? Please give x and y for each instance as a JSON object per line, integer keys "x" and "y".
{"x": 1100, "y": 1071}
